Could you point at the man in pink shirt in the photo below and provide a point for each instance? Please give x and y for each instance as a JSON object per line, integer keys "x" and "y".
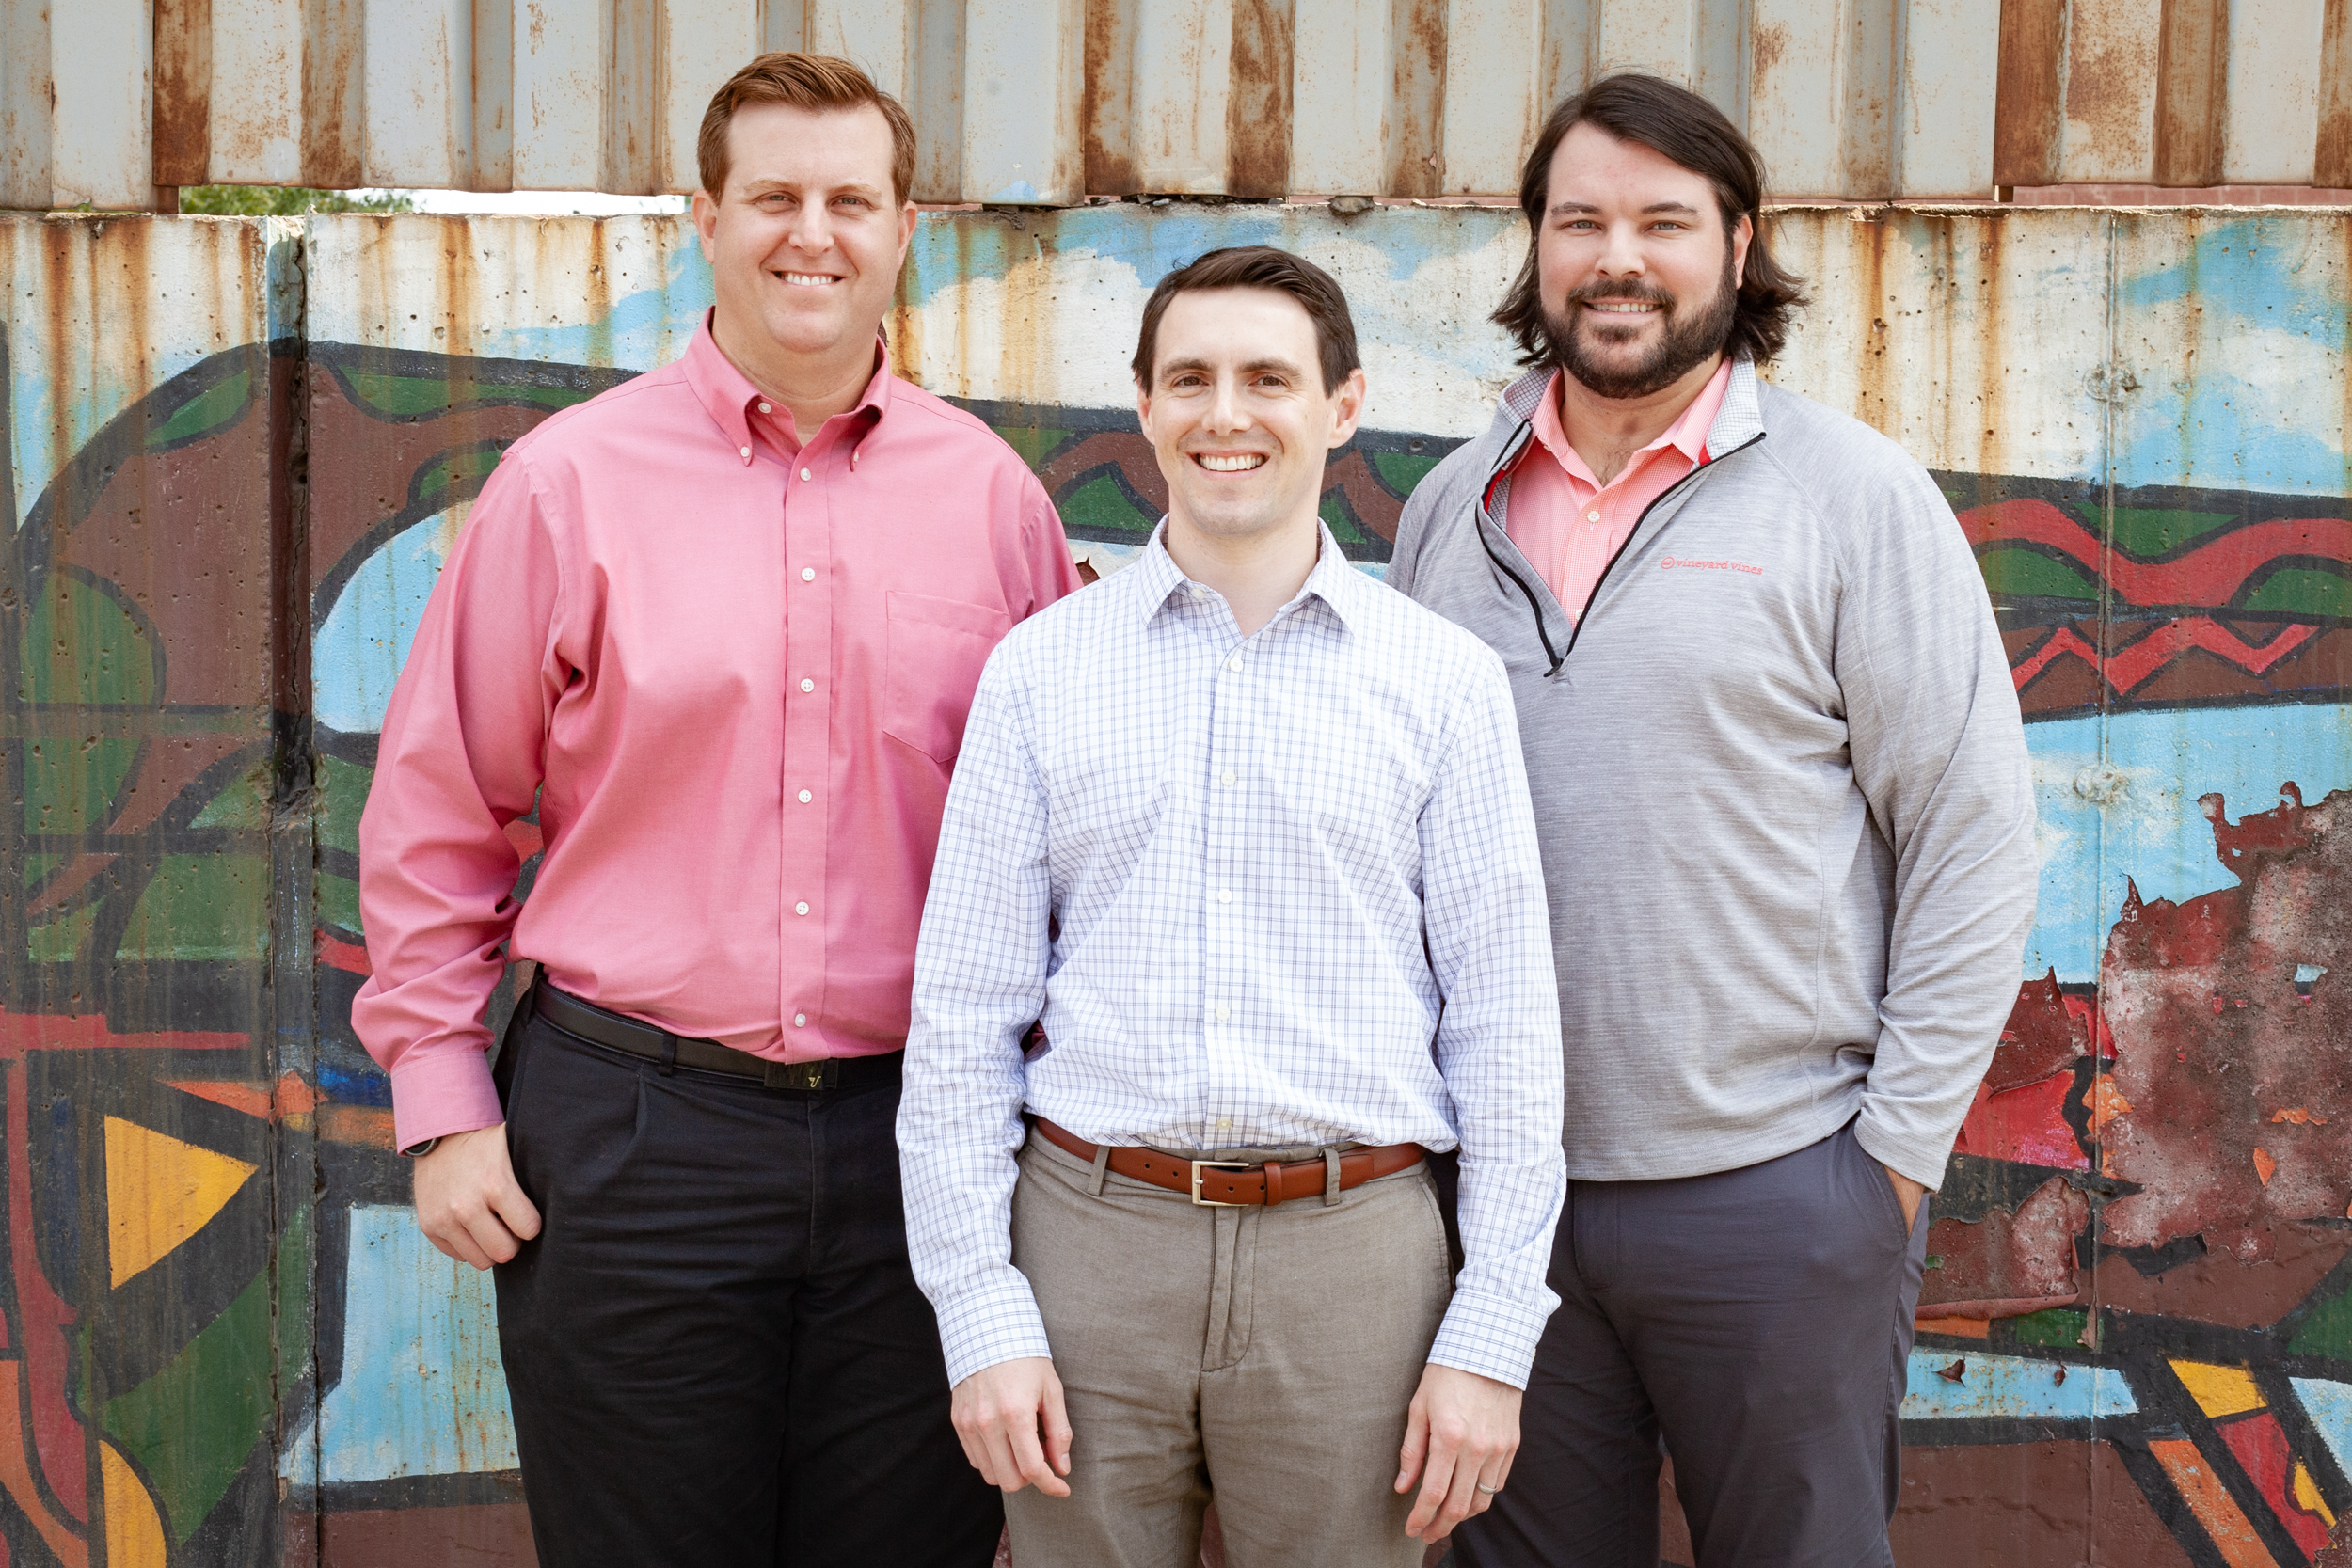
{"x": 722, "y": 625}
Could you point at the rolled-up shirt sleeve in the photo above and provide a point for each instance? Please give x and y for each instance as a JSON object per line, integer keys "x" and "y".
{"x": 461, "y": 756}
{"x": 1489, "y": 937}
{"x": 980, "y": 983}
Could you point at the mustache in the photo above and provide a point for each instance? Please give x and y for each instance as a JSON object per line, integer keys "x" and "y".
{"x": 1631, "y": 288}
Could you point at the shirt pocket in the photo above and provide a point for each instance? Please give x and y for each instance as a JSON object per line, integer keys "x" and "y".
{"x": 936, "y": 649}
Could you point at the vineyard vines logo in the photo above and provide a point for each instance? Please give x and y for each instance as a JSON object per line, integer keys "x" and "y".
{"x": 1672, "y": 562}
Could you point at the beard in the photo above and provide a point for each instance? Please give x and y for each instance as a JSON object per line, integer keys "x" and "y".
{"x": 1694, "y": 333}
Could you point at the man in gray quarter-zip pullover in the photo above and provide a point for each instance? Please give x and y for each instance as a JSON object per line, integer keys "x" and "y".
{"x": 1788, "y": 839}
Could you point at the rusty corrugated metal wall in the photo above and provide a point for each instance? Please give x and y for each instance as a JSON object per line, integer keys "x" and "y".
{"x": 236, "y": 451}
{"x": 1046, "y": 102}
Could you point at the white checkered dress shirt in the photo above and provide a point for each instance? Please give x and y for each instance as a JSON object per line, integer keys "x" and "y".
{"x": 1272, "y": 859}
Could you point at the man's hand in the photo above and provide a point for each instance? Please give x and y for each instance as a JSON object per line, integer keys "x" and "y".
{"x": 1907, "y": 1192}
{"x": 1467, "y": 1429}
{"x": 469, "y": 1203}
{"x": 996, "y": 1415}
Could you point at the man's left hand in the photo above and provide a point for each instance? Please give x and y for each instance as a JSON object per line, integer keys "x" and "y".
{"x": 1907, "y": 1192}
{"x": 1460, "y": 1433}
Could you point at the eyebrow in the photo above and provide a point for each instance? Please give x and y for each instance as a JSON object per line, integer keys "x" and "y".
{"x": 1249, "y": 368}
{"x": 765, "y": 183}
{"x": 1680, "y": 207}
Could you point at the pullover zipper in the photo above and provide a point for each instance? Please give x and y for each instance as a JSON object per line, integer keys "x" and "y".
{"x": 1576, "y": 627}
{"x": 1510, "y": 455}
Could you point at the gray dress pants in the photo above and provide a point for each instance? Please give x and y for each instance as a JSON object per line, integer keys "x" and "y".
{"x": 1263, "y": 1357}
{"x": 1757, "y": 1320}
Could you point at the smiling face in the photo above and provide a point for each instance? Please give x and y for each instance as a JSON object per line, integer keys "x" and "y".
{"x": 805, "y": 241}
{"x": 1237, "y": 413}
{"x": 1638, "y": 278}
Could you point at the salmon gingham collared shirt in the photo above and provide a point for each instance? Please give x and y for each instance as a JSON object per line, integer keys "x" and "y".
{"x": 1567, "y": 522}
{"x": 1275, "y": 890}
{"x": 733, "y": 670}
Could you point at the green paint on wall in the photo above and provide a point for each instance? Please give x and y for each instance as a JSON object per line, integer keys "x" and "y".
{"x": 210, "y": 409}
{"x": 1402, "y": 470}
{"x": 38, "y": 866}
{"x": 2146, "y": 532}
{"x": 2058, "y": 1327}
{"x": 203, "y": 908}
{"x": 461, "y": 468}
{"x": 2303, "y": 591}
{"x": 192, "y": 1425}
{"x": 1100, "y": 503}
{"x": 2013, "y": 573}
{"x": 79, "y": 646}
{"x": 69, "y": 784}
{"x": 2327, "y": 1331}
{"x": 339, "y": 902}
{"x": 60, "y": 940}
{"x": 342, "y": 794}
{"x": 244, "y": 804}
{"x": 1341, "y": 520}
{"x": 1035, "y": 443}
{"x": 414, "y": 397}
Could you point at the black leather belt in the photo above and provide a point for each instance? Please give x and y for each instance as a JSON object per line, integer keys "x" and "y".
{"x": 601, "y": 1026}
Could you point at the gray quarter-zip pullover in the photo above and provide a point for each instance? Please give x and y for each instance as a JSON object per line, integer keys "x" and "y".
{"x": 1782, "y": 788}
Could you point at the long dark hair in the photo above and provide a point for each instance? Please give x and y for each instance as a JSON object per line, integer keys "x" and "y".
{"x": 1685, "y": 128}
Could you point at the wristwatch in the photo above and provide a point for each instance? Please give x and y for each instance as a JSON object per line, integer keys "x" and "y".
{"x": 423, "y": 1145}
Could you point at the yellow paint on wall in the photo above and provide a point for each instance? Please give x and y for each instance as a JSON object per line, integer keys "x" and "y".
{"x": 159, "y": 1192}
{"x": 135, "y": 1530}
{"x": 2307, "y": 1496}
{"x": 2219, "y": 1390}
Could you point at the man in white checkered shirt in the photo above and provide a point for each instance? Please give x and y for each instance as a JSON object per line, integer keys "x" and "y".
{"x": 1249, "y": 832}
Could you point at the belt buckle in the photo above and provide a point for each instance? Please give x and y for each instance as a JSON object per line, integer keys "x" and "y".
{"x": 1216, "y": 1164}
{"x": 819, "y": 1074}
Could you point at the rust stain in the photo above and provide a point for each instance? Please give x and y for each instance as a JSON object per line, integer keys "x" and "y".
{"x": 2027, "y": 112}
{"x": 1105, "y": 113}
{"x": 1767, "y": 44}
{"x": 2192, "y": 73}
{"x": 1415, "y": 127}
{"x": 1257, "y": 101}
{"x": 2333, "y": 166}
{"x": 331, "y": 93}
{"x": 183, "y": 91}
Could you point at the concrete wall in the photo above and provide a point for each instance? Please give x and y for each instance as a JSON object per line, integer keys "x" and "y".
{"x": 236, "y": 452}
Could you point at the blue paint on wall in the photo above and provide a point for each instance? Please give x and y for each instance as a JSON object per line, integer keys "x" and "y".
{"x": 2011, "y": 1388}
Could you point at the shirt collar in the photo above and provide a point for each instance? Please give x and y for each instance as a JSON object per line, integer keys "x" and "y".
{"x": 1334, "y": 581}
{"x": 1688, "y": 434}
{"x": 728, "y": 396}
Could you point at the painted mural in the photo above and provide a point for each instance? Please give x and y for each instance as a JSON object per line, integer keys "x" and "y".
{"x": 222, "y": 1340}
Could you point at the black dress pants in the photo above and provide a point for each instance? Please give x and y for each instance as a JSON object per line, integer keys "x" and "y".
{"x": 715, "y": 1346}
{"x": 1757, "y": 1320}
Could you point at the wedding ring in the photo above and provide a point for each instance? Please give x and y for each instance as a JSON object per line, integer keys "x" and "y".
{"x": 1490, "y": 1491}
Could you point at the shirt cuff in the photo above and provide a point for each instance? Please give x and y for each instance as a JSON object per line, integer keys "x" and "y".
{"x": 1904, "y": 1156}
{"x": 995, "y": 1321}
{"x": 449, "y": 1091}
{"x": 1494, "y": 1339}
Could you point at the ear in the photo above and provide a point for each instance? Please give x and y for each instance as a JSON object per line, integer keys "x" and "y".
{"x": 705, "y": 215}
{"x": 907, "y": 221}
{"x": 1143, "y": 409}
{"x": 1742, "y": 234}
{"x": 1347, "y": 408}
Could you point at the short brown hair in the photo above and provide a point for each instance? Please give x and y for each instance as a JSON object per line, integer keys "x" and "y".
{"x": 804, "y": 82}
{"x": 1260, "y": 266}
{"x": 1686, "y": 130}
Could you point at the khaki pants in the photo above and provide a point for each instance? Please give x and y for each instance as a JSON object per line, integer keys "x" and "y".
{"x": 1262, "y": 1356}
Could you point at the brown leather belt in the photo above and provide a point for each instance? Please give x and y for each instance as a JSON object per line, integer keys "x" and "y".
{"x": 1231, "y": 1183}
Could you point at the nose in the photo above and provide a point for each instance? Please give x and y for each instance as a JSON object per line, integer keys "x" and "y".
{"x": 811, "y": 229}
{"x": 1225, "y": 412}
{"x": 1621, "y": 253}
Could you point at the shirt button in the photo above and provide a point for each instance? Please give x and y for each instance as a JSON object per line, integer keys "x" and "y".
{"x": 1589, "y": 516}
{"x": 809, "y": 574}
{"x": 746, "y": 452}
{"x": 1224, "y": 895}
{"x": 1233, "y": 663}
{"x": 765, "y": 409}
{"x": 1224, "y": 1122}
{"x": 1228, "y": 780}
{"x": 808, "y": 686}
{"x": 799, "y": 908}
{"x": 805, "y": 473}
{"x": 799, "y": 1020}
{"x": 1224, "y": 1013}
{"x": 807, "y": 797}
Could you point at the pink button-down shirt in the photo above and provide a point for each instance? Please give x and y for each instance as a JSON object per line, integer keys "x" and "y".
{"x": 733, "y": 669}
{"x": 1568, "y": 524}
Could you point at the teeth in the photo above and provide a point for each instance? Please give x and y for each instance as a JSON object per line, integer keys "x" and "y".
{"x": 809, "y": 279}
{"x": 1233, "y": 465}
{"x": 1623, "y": 306}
